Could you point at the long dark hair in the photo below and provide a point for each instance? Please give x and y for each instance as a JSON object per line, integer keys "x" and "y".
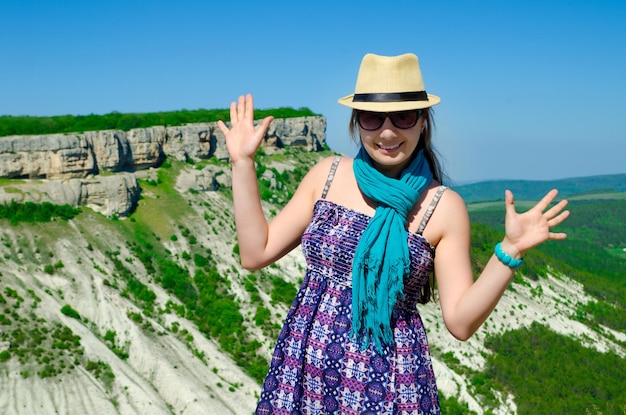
{"x": 425, "y": 142}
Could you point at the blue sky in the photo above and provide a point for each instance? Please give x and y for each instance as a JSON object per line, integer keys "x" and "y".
{"x": 530, "y": 89}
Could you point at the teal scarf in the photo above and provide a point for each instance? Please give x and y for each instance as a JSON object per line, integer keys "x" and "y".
{"x": 382, "y": 259}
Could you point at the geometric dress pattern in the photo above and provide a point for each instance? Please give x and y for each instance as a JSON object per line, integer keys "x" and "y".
{"x": 317, "y": 368}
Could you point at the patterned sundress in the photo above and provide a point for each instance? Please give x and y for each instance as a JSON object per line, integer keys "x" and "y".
{"x": 316, "y": 367}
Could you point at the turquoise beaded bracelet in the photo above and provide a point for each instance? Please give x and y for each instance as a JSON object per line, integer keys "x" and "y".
{"x": 506, "y": 259}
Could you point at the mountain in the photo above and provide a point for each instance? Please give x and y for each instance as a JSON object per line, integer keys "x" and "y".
{"x": 151, "y": 313}
{"x": 535, "y": 189}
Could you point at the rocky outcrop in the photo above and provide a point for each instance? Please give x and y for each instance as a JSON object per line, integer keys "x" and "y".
{"x": 79, "y": 155}
{"x": 209, "y": 179}
{"x": 307, "y": 133}
{"x": 113, "y": 195}
{"x": 68, "y": 166}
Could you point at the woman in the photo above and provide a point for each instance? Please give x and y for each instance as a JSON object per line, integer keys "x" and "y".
{"x": 353, "y": 341}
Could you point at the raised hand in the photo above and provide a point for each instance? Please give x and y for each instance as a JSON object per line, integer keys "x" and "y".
{"x": 242, "y": 139}
{"x": 529, "y": 229}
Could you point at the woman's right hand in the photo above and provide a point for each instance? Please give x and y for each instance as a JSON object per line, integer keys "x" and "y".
{"x": 242, "y": 139}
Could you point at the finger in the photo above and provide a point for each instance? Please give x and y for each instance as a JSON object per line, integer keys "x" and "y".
{"x": 261, "y": 129}
{"x": 547, "y": 199}
{"x": 265, "y": 123}
{"x": 250, "y": 106}
{"x": 241, "y": 108}
{"x": 554, "y": 210}
{"x": 559, "y": 219}
{"x": 233, "y": 113}
{"x": 557, "y": 236}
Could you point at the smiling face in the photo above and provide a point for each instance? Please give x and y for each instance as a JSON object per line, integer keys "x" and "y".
{"x": 391, "y": 148}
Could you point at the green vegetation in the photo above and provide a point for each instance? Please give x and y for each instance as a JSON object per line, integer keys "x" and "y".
{"x": 275, "y": 186}
{"x": 26, "y": 125}
{"x": 111, "y": 342}
{"x": 42, "y": 348}
{"x": 30, "y": 212}
{"x": 199, "y": 296}
{"x": 70, "y": 312}
{"x": 262, "y": 315}
{"x": 51, "y": 268}
{"x": 283, "y": 291}
{"x": 552, "y": 374}
{"x": 481, "y": 385}
{"x": 102, "y": 371}
{"x": 595, "y": 230}
{"x": 545, "y": 371}
{"x": 203, "y": 299}
{"x": 451, "y": 406}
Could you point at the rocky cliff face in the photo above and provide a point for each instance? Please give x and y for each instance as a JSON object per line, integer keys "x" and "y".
{"x": 66, "y": 168}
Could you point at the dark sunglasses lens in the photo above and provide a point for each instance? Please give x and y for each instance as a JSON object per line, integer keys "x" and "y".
{"x": 371, "y": 120}
{"x": 374, "y": 120}
{"x": 404, "y": 119}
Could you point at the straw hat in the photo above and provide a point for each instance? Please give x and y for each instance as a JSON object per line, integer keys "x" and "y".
{"x": 389, "y": 83}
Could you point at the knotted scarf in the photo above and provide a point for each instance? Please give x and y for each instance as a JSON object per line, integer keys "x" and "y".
{"x": 382, "y": 258}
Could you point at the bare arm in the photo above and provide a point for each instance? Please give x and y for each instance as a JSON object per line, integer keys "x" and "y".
{"x": 260, "y": 243}
{"x": 467, "y": 304}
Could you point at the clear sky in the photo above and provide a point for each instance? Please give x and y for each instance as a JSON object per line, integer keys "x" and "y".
{"x": 530, "y": 89}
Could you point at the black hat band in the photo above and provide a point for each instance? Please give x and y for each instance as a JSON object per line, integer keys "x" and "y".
{"x": 391, "y": 97}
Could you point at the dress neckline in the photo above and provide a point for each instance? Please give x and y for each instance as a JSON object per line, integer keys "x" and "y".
{"x": 369, "y": 217}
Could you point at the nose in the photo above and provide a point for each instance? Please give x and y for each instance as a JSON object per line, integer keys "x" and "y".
{"x": 387, "y": 129}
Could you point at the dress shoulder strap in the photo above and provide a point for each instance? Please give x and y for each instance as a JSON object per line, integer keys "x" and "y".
{"x": 431, "y": 208}
{"x": 331, "y": 175}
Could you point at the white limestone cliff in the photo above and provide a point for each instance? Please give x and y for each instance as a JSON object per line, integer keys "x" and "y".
{"x": 67, "y": 168}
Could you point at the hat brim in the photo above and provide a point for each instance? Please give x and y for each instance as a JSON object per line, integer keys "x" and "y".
{"x": 389, "y": 106}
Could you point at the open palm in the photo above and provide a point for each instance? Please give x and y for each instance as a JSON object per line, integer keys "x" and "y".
{"x": 243, "y": 139}
{"x": 529, "y": 229}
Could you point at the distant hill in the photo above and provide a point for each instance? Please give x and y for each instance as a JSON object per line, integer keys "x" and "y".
{"x": 535, "y": 189}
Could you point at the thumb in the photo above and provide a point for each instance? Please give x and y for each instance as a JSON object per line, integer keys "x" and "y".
{"x": 265, "y": 124}
{"x": 509, "y": 203}
{"x": 222, "y": 127}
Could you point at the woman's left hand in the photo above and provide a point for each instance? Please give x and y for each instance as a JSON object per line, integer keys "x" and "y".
{"x": 529, "y": 229}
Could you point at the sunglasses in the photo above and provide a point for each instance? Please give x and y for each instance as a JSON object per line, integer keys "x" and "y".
{"x": 371, "y": 121}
